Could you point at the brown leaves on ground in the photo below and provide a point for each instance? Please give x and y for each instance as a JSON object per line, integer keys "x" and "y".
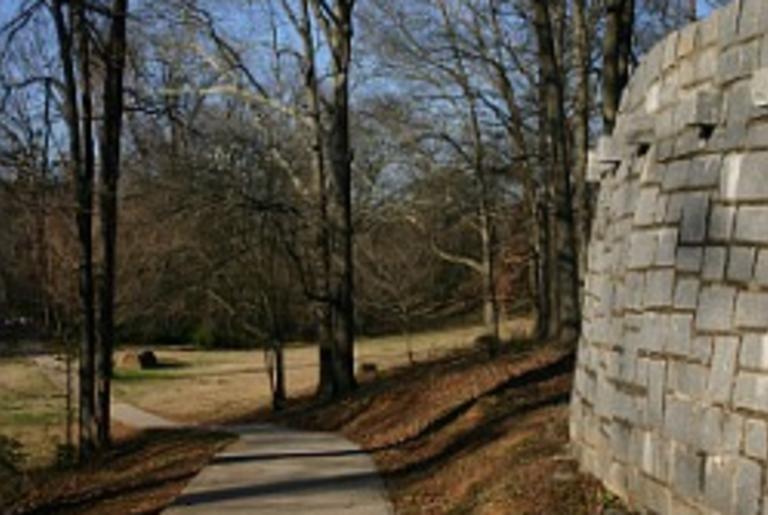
{"x": 470, "y": 434}
{"x": 143, "y": 473}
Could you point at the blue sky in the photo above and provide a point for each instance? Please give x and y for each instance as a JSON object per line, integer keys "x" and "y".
{"x": 9, "y": 6}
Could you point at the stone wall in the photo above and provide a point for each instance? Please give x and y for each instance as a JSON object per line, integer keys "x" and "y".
{"x": 670, "y": 404}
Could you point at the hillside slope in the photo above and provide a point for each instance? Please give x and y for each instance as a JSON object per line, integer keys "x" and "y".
{"x": 469, "y": 434}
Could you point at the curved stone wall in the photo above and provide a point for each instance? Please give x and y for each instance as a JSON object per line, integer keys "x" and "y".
{"x": 670, "y": 403}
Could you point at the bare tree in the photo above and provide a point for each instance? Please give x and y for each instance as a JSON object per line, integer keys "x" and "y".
{"x": 114, "y": 60}
{"x": 71, "y": 24}
{"x": 562, "y": 256}
{"x": 617, "y": 55}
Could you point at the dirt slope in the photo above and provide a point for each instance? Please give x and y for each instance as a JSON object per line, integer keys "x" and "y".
{"x": 470, "y": 434}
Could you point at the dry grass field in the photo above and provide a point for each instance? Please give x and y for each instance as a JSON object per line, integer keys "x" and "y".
{"x": 32, "y": 410}
{"x": 196, "y": 386}
{"x": 208, "y": 386}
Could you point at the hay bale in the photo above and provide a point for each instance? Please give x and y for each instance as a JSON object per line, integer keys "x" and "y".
{"x": 129, "y": 360}
{"x": 143, "y": 360}
{"x": 148, "y": 360}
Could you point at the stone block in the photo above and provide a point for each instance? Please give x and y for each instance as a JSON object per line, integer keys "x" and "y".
{"x": 656, "y": 386}
{"x": 641, "y": 372}
{"x": 722, "y": 369}
{"x": 666, "y": 247}
{"x": 689, "y": 259}
{"x": 674, "y": 211}
{"x": 686, "y": 43}
{"x": 689, "y": 142}
{"x": 639, "y": 129}
{"x": 653, "y": 332}
{"x": 661, "y": 208}
{"x": 701, "y": 349}
{"x": 754, "y": 352}
{"x": 652, "y": 495}
{"x": 704, "y": 172}
{"x": 706, "y": 64}
{"x": 693, "y": 227}
{"x": 729, "y": 65}
{"x": 757, "y": 135}
{"x": 709, "y": 29}
{"x": 751, "y": 391}
{"x": 715, "y": 309}
{"x": 752, "y": 310}
{"x": 642, "y": 249}
{"x": 739, "y": 106}
{"x": 721, "y": 432}
{"x": 686, "y": 471}
{"x": 741, "y": 263}
{"x": 701, "y": 109}
{"x": 756, "y": 439}
{"x": 635, "y": 286}
{"x": 675, "y": 176}
{"x": 750, "y": 18}
{"x": 646, "y": 207}
{"x": 748, "y": 483}
{"x": 688, "y": 379}
{"x": 659, "y": 285}
{"x": 609, "y": 151}
{"x": 653, "y": 98}
{"x": 686, "y": 293}
{"x": 727, "y": 26}
{"x": 752, "y": 224}
{"x": 759, "y": 87}
{"x": 655, "y": 456}
{"x": 744, "y": 177}
{"x": 721, "y": 221}
{"x": 738, "y": 62}
{"x": 714, "y": 263}
{"x": 677, "y": 333}
{"x": 719, "y": 482}
{"x": 669, "y": 59}
{"x": 597, "y": 170}
{"x": 651, "y": 64}
{"x": 680, "y": 416}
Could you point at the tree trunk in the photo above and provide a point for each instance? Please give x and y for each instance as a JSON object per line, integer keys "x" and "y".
{"x": 110, "y": 174}
{"x": 491, "y": 302}
{"x": 546, "y": 321}
{"x": 617, "y": 53}
{"x": 562, "y": 268}
{"x": 279, "y": 397}
{"x": 322, "y": 254}
{"x": 581, "y": 136}
{"x": 82, "y": 171}
{"x": 517, "y": 140}
{"x": 340, "y": 40}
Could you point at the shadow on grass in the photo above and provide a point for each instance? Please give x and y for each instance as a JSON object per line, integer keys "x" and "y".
{"x": 152, "y": 460}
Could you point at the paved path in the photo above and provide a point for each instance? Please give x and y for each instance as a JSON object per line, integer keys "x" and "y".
{"x": 269, "y": 470}
{"x": 272, "y": 470}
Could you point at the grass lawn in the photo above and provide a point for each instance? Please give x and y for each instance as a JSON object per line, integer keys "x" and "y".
{"x": 32, "y": 410}
{"x": 196, "y": 386}
{"x": 211, "y": 386}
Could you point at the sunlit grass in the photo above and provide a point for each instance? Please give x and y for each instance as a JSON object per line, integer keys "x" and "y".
{"x": 32, "y": 410}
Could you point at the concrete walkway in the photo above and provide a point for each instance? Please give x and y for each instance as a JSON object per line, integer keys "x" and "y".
{"x": 272, "y": 470}
{"x": 269, "y": 469}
